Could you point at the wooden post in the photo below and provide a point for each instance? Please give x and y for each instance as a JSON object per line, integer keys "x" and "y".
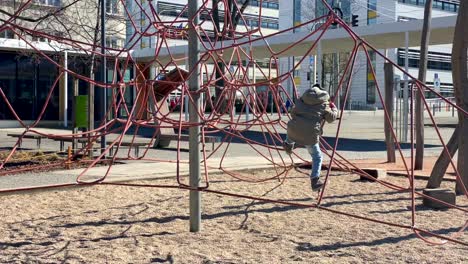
{"x": 69, "y": 155}
{"x": 91, "y": 94}
{"x": 75, "y": 129}
{"x": 419, "y": 110}
{"x": 460, "y": 84}
{"x": 442, "y": 163}
{"x": 389, "y": 140}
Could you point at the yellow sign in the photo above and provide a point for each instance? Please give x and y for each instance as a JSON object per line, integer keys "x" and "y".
{"x": 297, "y": 80}
{"x": 371, "y": 14}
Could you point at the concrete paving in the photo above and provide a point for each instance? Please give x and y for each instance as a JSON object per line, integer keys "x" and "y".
{"x": 361, "y": 137}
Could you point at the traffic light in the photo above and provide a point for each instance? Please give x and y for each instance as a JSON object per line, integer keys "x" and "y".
{"x": 337, "y": 11}
{"x": 354, "y": 20}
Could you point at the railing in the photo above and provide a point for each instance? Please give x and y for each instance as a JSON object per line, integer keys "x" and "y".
{"x": 439, "y": 105}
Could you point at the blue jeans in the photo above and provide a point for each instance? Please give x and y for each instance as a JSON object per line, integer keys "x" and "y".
{"x": 316, "y": 154}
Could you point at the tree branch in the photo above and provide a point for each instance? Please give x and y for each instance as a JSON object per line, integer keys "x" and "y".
{"x": 238, "y": 14}
{"x": 39, "y": 18}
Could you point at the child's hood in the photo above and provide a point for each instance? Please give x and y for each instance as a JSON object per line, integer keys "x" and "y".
{"x": 314, "y": 96}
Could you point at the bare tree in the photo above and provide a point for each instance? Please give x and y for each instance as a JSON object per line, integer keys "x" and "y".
{"x": 334, "y": 64}
{"x": 442, "y": 163}
{"x": 232, "y": 16}
{"x": 310, "y": 11}
{"x": 460, "y": 84}
{"x": 72, "y": 25}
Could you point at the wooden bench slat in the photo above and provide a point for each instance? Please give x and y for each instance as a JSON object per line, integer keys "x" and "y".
{"x": 136, "y": 144}
{"x": 186, "y": 137}
{"x": 165, "y": 139}
{"x": 34, "y": 136}
{"x": 129, "y": 143}
{"x": 37, "y": 137}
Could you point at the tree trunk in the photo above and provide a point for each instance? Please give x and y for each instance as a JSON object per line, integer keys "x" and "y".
{"x": 419, "y": 111}
{"x": 460, "y": 84}
{"x": 442, "y": 163}
{"x": 219, "y": 103}
{"x": 235, "y": 14}
{"x": 91, "y": 88}
{"x": 388, "y": 71}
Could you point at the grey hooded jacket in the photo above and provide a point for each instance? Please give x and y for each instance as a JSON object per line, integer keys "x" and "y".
{"x": 304, "y": 128}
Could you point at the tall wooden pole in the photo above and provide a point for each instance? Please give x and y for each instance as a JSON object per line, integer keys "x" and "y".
{"x": 419, "y": 111}
{"x": 460, "y": 84}
{"x": 389, "y": 86}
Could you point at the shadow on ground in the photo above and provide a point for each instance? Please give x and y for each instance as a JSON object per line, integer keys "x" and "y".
{"x": 265, "y": 138}
{"x": 344, "y": 144}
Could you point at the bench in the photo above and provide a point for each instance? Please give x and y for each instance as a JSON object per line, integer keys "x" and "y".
{"x": 37, "y": 137}
{"x": 83, "y": 141}
{"x": 165, "y": 139}
{"x": 136, "y": 144}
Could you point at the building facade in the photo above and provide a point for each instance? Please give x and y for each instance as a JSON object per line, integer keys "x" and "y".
{"x": 65, "y": 31}
{"x": 328, "y": 68}
{"x": 174, "y": 14}
{"x": 143, "y": 35}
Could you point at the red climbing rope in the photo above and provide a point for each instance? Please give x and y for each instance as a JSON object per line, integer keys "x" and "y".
{"x": 234, "y": 88}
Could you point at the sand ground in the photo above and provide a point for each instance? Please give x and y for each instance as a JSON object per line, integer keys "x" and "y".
{"x": 121, "y": 224}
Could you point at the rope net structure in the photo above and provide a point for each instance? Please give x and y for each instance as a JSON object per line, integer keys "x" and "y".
{"x": 230, "y": 74}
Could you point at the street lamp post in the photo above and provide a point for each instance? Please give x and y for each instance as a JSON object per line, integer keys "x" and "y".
{"x": 194, "y": 131}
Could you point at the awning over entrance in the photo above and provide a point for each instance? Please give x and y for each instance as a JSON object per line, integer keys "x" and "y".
{"x": 380, "y": 36}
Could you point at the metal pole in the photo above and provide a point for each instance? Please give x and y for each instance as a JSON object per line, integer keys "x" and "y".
{"x": 65, "y": 93}
{"x": 254, "y": 88}
{"x": 194, "y": 132}
{"x": 319, "y": 62}
{"x": 289, "y": 87}
{"x": 186, "y": 111}
{"x": 103, "y": 74}
{"x": 247, "y": 105}
{"x": 186, "y": 98}
{"x": 315, "y": 71}
{"x": 405, "y": 92}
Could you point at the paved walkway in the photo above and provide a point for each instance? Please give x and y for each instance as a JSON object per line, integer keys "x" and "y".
{"x": 361, "y": 137}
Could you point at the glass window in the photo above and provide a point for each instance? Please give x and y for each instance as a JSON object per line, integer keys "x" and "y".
{"x": 7, "y": 83}
{"x": 46, "y": 75}
{"x": 436, "y": 4}
{"x": 25, "y": 103}
{"x": 114, "y": 42}
{"x": 371, "y": 12}
{"x": 371, "y": 82}
{"x": 7, "y": 34}
{"x": 48, "y": 2}
{"x": 345, "y": 6}
{"x": 297, "y": 12}
{"x": 112, "y": 6}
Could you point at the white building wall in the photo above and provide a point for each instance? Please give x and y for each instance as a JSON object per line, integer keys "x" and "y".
{"x": 387, "y": 11}
{"x": 142, "y": 16}
{"x": 286, "y": 64}
{"x": 417, "y": 12}
{"x": 141, "y": 21}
